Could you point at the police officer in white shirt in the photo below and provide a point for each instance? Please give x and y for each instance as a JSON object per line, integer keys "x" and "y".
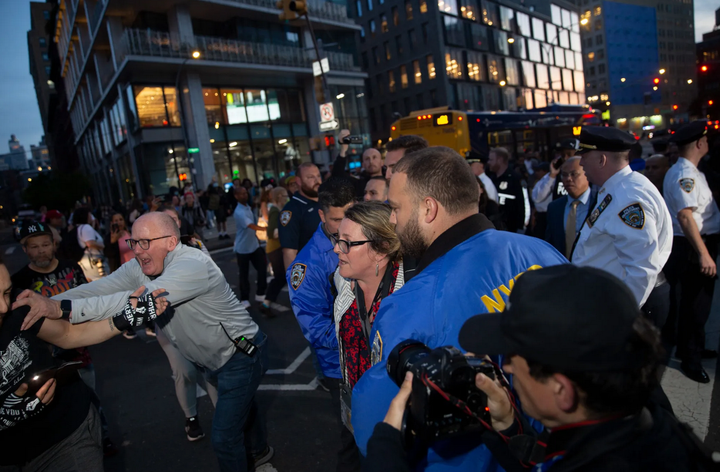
{"x": 696, "y": 224}
{"x": 628, "y": 233}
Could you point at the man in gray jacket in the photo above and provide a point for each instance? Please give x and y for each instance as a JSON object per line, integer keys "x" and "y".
{"x": 205, "y": 321}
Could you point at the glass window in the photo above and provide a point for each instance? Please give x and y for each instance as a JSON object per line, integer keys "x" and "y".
{"x": 490, "y": 15}
{"x": 213, "y": 107}
{"x": 541, "y": 72}
{"x": 598, "y": 25}
{"x": 590, "y": 56}
{"x": 511, "y": 72}
{"x": 45, "y": 57}
{"x": 538, "y": 29}
{"x": 150, "y": 106}
{"x": 527, "y": 99}
{"x": 454, "y": 31}
{"x": 234, "y": 102}
{"x": 496, "y": 72}
{"x": 518, "y": 48}
{"x": 574, "y": 99}
{"x": 412, "y": 39}
{"x": 376, "y": 55}
{"x": 380, "y": 84}
{"x": 408, "y": 10}
{"x": 578, "y": 61}
{"x": 358, "y": 7}
{"x": 425, "y": 33}
{"x": 566, "y": 21}
{"x": 569, "y": 59}
{"x": 601, "y": 69}
{"x": 552, "y": 33}
{"x": 47, "y": 72}
{"x": 370, "y": 5}
{"x": 453, "y": 63}
{"x": 478, "y": 36}
{"x": 579, "y": 82}
{"x": 362, "y": 34}
{"x": 171, "y": 105}
{"x": 559, "y": 57}
{"x": 448, "y": 6}
{"x": 423, "y": 6}
{"x": 490, "y": 97}
{"x": 475, "y": 66}
{"x": 416, "y": 72}
{"x": 395, "y": 16}
{"x": 555, "y": 14}
{"x": 564, "y": 37}
{"x": 575, "y": 42}
{"x": 468, "y": 9}
{"x": 528, "y": 72}
{"x": 506, "y": 17}
{"x": 403, "y": 77}
{"x": 523, "y": 22}
{"x": 388, "y": 54}
{"x": 372, "y": 28}
{"x": 555, "y": 78}
{"x": 510, "y": 98}
{"x": 277, "y": 101}
{"x": 467, "y": 97}
{"x": 534, "y": 50}
{"x": 384, "y": 24}
{"x": 575, "y": 21}
{"x": 43, "y": 42}
{"x": 431, "y": 67}
{"x": 501, "y": 44}
{"x": 540, "y": 99}
{"x": 567, "y": 80}
{"x": 546, "y": 51}
{"x": 391, "y": 81}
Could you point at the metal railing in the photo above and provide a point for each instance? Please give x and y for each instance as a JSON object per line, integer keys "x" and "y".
{"x": 159, "y": 44}
{"x": 316, "y": 8}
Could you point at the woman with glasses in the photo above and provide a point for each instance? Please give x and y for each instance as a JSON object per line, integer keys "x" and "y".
{"x": 370, "y": 268}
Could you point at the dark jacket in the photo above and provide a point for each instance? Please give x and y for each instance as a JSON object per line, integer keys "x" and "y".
{"x": 555, "y": 231}
{"x": 358, "y": 182}
{"x": 511, "y": 200}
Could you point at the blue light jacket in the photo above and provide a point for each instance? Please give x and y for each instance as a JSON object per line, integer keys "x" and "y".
{"x": 312, "y": 299}
{"x": 466, "y": 276}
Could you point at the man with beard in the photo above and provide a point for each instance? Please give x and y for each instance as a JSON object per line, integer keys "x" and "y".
{"x": 512, "y": 196}
{"x": 465, "y": 267}
{"x": 372, "y": 163}
{"x": 299, "y": 218}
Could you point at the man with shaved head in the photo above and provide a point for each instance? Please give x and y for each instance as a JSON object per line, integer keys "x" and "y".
{"x": 205, "y": 321}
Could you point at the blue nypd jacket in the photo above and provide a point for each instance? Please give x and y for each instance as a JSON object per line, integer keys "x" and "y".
{"x": 312, "y": 300}
{"x": 468, "y": 270}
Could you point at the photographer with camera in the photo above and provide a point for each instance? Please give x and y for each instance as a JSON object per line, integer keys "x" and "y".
{"x": 372, "y": 163}
{"x": 597, "y": 404}
{"x": 465, "y": 267}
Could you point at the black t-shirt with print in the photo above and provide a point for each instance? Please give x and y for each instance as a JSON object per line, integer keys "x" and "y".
{"x": 23, "y": 354}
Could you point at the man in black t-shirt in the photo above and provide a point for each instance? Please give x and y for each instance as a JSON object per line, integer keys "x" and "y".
{"x": 299, "y": 218}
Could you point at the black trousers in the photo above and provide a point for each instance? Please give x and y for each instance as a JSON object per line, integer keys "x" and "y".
{"x": 279, "y": 281}
{"x": 540, "y": 224}
{"x": 349, "y": 457}
{"x": 257, "y": 259}
{"x": 657, "y": 306}
{"x": 691, "y": 295}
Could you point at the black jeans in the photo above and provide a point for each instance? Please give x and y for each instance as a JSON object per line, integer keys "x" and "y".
{"x": 279, "y": 281}
{"x": 349, "y": 458}
{"x": 257, "y": 259}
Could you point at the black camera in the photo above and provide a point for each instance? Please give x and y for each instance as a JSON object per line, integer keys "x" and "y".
{"x": 444, "y": 401}
{"x": 351, "y": 140}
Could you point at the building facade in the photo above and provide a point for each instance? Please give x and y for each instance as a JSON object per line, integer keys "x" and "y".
{"x": 163, "y": 93}
{"x": 467, "y": 54}
{"x": 708, "y": 59}
{"x": 639, "y": 60}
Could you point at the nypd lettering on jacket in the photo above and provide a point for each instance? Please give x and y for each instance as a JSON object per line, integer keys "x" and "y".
{"x": 628, "y": 233}
{"x": 686, "y": 187}
{"x": 467, "y": 278}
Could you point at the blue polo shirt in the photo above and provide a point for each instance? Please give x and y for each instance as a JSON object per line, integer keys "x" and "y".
{"x": 246, "y": 241}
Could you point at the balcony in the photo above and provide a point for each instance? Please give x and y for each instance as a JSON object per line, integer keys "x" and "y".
{"x": 316, "y": 8}
{"x": 164, "y": 45}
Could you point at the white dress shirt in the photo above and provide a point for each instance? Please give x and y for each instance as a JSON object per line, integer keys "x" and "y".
{"x": 542, "y": 192}
{"x": 628, "y": 233}
{"x": 686, "y": 187}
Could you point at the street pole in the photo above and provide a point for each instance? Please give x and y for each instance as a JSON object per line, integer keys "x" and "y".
{"x": 183, "y": 129}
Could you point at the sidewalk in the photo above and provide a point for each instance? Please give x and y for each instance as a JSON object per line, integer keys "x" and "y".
{"x": 210, "y": 236}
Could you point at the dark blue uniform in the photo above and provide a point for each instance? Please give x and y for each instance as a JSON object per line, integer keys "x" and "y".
{"x": 298, "y": 221}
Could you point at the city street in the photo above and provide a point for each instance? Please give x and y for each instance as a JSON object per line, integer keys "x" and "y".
{"x": 137, "y": 392}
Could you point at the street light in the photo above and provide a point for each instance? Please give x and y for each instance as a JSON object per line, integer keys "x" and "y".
{"x": 662, "y": 71}
{"x": 689, "y": 81}
{"x": 584, "y": 21}
{"x": 622, "y": 80}
{"x": 196, "y": 54}
{"x": 511, "y": 40}
{"x": 502, "y": 83}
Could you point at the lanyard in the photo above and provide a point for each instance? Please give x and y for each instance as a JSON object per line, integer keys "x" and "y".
{"x": 382, "y": 292}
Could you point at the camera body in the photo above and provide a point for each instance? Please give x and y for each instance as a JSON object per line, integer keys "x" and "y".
{"x": 430, "y": 416}
{"x": 351, "y": 140}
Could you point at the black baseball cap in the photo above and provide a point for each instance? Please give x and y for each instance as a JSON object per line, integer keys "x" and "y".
{"x": 689, "y": 133}
{"x": 601, "y": 138}
{"x": 565, "y": 317}
{"x": 32, "y": 229}
{"x": 570, "y": 143}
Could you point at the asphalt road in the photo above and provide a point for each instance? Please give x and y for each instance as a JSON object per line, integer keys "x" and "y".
{"x": 137, "y": 393}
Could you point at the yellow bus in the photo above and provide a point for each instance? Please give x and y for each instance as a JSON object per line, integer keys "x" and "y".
{"x": 472, "y": 134}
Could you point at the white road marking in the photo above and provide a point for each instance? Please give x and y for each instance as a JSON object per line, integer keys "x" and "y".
{"x": 292, "y": 367}
{"x": 290, "y": 387}
{"x": 10, "y": 250}
{"x": 279, "y": 307}
{"x": 218, "y": 251}
{"x": 266, "y": 468}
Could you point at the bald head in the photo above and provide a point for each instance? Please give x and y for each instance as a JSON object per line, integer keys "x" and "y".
{"x": 372, "y": 162}
{"x": 158, "y": 222}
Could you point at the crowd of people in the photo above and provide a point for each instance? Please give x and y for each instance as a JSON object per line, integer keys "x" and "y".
{"x": 577, "y": 277}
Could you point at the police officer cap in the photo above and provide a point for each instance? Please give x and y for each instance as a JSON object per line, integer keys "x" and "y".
{"x": 689, "y": 133}
{"x": 570, "y": 143}
{"x": 566, "y": 317}
{"x": 600, "y": 138}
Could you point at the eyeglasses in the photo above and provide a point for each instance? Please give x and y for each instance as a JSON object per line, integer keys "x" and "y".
{"x": 346, "y": 245}
{"x": 143, "y": 243}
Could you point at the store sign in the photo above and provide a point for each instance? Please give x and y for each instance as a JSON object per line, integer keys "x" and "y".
{"x": 193, "y": 150}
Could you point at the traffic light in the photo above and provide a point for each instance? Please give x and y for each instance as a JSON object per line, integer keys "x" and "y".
{"x": 704, "y": 68}
{"x": 710, "y": 102}
{"x": 656, "y": 80}
{"x": 291, "y": 9}
{"x": 320, "y": 90}
{"x": 329, "y": 141}
{"x": 675, "y": 107}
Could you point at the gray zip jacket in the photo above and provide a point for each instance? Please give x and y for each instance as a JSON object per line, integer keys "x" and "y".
{"x": 200, "y": 299}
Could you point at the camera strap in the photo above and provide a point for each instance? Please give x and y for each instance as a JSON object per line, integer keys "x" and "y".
{"x": 382, "y": 292}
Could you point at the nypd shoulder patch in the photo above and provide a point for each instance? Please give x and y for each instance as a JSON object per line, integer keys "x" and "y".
{"x": 633, "y": 216}
{"x": 297, "y": 275}
{"x": 687, "y": 184}
{"x": 377, "y": 349}
{"x": 285, "y": 217}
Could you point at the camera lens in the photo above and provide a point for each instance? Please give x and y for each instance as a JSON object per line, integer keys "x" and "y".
{"x": 402, "y": 357}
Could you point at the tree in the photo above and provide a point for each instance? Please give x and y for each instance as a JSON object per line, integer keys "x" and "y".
{"x": 57, "y": 191}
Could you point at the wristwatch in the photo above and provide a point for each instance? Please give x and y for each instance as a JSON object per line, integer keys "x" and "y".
{"x": 66, "y": 309}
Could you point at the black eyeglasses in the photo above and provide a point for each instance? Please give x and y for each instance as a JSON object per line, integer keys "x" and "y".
{"x": 346, "y": 245}
{"x": 143, "y": 243}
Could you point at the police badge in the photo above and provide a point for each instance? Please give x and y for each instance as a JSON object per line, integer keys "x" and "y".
{"x": 687, "y": 184}
{"x": 633, "y": 216}
{"x": 285, "y": 217}
{"x": 297, "y": 275}
{"x": 503, "y": 185}
{"x": 598, "y": 211}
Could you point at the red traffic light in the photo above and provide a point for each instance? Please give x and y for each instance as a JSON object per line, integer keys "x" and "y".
{"x": 183, "y": 177}
{"x": 704, "y": 68}
{"x": 656, "y": 80}
{"x": 675, "y": 107}
{"x": 329, "y": 141}
{"x": 710, "y": 102}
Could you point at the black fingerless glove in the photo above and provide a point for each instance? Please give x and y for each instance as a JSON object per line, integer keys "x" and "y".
{"x": 16, "y": 409}
{"x": 129, "y": 317}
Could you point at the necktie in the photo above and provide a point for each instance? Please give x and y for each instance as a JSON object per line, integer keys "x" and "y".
{"x": 570, "y": 224}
